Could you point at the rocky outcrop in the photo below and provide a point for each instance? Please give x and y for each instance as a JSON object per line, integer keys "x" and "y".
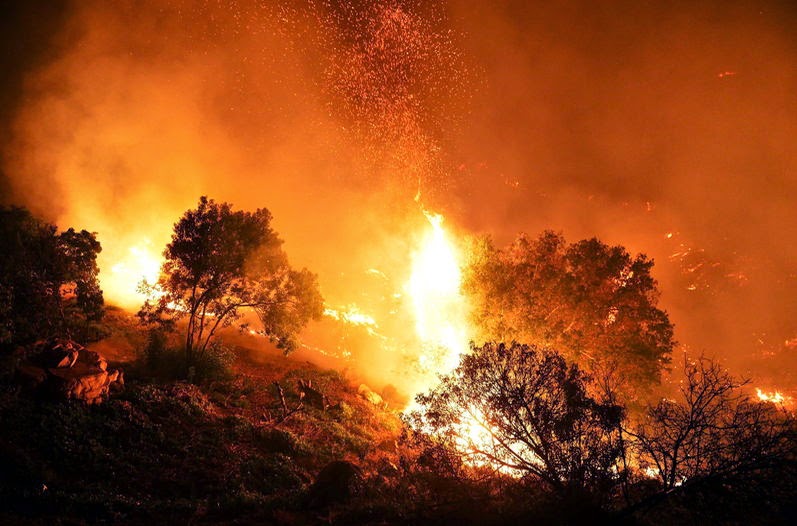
{"x": 65, "y": 370}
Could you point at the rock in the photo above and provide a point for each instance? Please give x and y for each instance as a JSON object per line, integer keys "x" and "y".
{"x": 373, "y": 397}
{"x": 57, "y": 356}
{"x": 64, "y": 370}
{"x": 116, "y": 379}
{"x": 93, "y": 358}
{"x": 338, "y": 482}
{"x": 69, "y": 360}
{"x": 82, "y": 382}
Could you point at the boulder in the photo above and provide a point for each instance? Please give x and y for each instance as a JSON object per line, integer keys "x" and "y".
{"x": 93, "y": 358}
{"x": 337, "y": 483}
{"x": 65, "y": 370}
{"x": 57, "y": 355}
{"x": 82, "y": 382}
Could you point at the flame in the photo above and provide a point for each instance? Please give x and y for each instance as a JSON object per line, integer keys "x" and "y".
{"x": 441, "y": 323}
{"x": 774, "y": 397}
{"x": 141, "y": 261}
{"x": 350, "y": 314}
{"x": 437, "y": 302}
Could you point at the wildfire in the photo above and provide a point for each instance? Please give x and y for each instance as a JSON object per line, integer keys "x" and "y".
{"x": 774, "y": 397}
{"x": 438, "y": 305}
{"x": 350, "y": 315}
{"x": 138, "y": 262}
{"x": 441, "y": 322}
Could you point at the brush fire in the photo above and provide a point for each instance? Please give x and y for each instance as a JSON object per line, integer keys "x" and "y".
{"x": 398, "y": 261}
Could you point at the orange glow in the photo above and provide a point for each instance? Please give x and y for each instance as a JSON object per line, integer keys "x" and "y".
{"x": 333, "y": 114}
{"x": 441, "y": 322}
{"x": 139, "y": 262}
{"x": 774, "y": 397}
{"x": 438, "y": 305}
{"x": 351, "y": 315}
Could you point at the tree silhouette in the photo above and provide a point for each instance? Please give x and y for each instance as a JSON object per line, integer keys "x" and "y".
{"x": 221, "y": 261}
{"x": 48, "y": 281}
{"x": 714, "y": 432}
{"x": 532, "y": 414}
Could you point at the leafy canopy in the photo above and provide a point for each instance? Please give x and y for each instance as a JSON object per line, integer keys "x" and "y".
{"x": 221, "y": 261}
{"x": 48, "y": 281}
{"x": 593, "y": 302}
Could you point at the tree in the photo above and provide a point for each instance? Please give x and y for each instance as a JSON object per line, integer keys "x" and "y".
{"x": 525, "y": 410}
{"x": 715, "y": 432}
{"x": 593, "y": 302}
{"x": 220, "y": 262}
{"x": 79, "y": 251}
{"x": 48, "y": 281}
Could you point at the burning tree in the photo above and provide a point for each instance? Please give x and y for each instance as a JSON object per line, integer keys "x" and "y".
{"x": 221, "y": 261}
{"x": 594, "y": 302}
{"x": 526, "y": 411}
{"x": 48, "y": 281}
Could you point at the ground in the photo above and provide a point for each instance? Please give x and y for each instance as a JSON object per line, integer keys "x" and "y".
{"x": 165, "y": 449}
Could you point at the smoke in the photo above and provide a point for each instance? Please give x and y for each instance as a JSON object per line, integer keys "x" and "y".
{"x": 634, "y": 120}
{"x": 630, "y": 122}
{"x": 329, "y": 114}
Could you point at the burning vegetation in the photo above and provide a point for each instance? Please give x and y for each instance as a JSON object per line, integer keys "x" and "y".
{"x": 379, "y": 345}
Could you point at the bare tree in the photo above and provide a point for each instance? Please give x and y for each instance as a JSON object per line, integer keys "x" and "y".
{"x": 714, "y": 432}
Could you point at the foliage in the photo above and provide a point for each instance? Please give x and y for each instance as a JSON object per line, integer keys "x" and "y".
{"x": 48, "y": 281}
{"x": 160, "y": 358}
{"x": 155, "y": 349}
{"x": 593, "y": 302}
{"x": 714, "y": 432}
{"x": 156, "y": 450}
{"x": 539, "y": 420}
{"x": 220, "y": 262}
